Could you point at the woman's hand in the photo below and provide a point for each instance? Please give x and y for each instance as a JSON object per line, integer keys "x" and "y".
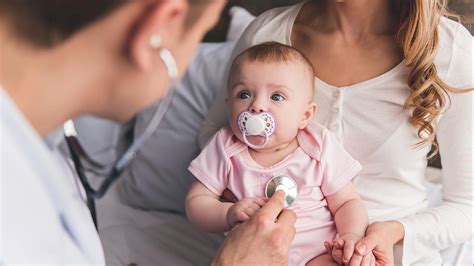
{"x": 379, "y": 239}
{"x": 242, "y": 210}
{"x": 264, "y": 239}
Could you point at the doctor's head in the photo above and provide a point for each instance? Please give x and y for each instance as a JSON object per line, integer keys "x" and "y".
{"x": 105, "y": 53}
{"x": 271, "y": 78}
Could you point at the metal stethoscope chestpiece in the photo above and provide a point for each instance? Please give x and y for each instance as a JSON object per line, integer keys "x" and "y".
{"x": 285, "y": 183}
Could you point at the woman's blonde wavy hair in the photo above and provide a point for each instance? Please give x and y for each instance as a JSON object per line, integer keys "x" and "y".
{"x": 418, "y": 37}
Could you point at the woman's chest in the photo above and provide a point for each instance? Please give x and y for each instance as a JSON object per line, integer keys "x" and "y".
{"x": 342, "y": 62}
{"x": 370, "y": 120}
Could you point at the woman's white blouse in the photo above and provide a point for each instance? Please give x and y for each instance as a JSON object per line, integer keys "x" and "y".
{"x": 370, "y": 121}
{"x": 43, "y": 217}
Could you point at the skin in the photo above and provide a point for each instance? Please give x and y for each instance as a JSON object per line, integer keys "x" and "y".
{"x": 285, "y": 90}
{"x": 109, "y": 69}
{"x": 281, "y": 88}
{"x": 111, "y": 75}
{"x": 264, "y": 239}
{"x": 337, "y": 35}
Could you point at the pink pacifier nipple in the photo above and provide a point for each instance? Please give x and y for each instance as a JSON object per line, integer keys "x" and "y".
{"x": 261, "y": 124}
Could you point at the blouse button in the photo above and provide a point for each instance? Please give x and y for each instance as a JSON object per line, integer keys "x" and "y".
{"x": 336, "y": 110}
{"x": 336, "y": 93}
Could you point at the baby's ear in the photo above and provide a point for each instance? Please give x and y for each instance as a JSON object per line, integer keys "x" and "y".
{"x": 308, "y": 115}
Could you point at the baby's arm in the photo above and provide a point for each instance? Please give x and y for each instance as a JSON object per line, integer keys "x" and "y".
{"x": 350, "y": 217}
{"x": 205, "y": 210}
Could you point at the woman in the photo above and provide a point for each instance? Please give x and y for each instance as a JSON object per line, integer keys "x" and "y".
{"x": 110, "y": 58}
{"x": 389, "y": 76}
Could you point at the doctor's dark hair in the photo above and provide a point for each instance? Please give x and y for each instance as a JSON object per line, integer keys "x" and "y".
{"x": 272, "y": 52}
{"x": 47, "y": 22}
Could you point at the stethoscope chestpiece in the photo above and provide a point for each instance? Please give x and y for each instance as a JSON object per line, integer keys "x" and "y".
{"x": 285, "y": 183}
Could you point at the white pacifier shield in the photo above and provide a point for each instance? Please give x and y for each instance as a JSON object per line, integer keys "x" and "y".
{"x": 255, "y": 125}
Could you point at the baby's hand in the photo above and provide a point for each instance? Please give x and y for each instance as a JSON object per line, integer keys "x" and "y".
{"x": 243, "y": 209}
{"x": 342, "y": 249}
{"x": 347, "y": 242}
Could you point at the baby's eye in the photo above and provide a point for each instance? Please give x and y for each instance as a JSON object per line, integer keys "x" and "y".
{"x": 244, "y": 95}
{"x": 277, "y": 97}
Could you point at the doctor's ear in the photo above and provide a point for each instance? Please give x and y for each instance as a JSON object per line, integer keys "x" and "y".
{"x": 160, "y": 26}
{"x": 308, "y": 115}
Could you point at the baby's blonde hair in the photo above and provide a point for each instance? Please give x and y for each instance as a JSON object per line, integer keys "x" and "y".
{"x": 271, "y": 52}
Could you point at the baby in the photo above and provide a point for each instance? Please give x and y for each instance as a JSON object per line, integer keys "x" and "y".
{"x": 270, "y": 138}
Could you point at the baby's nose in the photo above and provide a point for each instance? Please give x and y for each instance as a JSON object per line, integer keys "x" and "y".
{"x": 256, "y": 110}
{"x": 257, "y": 107}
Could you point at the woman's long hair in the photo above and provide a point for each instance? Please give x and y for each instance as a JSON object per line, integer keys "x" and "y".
{"x": 418, "y": 37}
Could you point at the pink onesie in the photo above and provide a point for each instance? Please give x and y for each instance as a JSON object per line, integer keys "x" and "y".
{"x": 320, "y": 166}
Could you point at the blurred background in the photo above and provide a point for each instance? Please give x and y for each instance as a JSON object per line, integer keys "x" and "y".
{"x": 464, "y": 8}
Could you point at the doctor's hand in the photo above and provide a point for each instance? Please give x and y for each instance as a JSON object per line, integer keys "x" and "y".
{"x": 264, "y": 239}
{"x": 242, "y": 210}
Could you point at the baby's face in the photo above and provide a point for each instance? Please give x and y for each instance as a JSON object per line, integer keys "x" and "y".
{"x": 281, "y": 88}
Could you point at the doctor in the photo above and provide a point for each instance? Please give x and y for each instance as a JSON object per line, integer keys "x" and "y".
{"x": 62, "y": 59}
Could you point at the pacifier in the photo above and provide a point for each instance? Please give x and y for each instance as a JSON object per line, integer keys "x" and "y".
{"x": 261, "y": 124}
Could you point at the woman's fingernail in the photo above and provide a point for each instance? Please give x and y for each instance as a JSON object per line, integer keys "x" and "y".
{"x": 338, "y": 253}
{"x": 361, "y": 248}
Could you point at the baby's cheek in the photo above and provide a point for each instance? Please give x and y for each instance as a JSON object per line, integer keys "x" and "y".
{"x": 287, "y": 129}
{"x": 236, "y": 131}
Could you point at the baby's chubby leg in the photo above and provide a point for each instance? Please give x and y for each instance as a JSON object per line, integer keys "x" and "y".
{"x": 322, "y": 260}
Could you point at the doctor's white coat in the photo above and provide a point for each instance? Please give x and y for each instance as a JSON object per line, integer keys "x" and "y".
{"x": 43, "y": 217}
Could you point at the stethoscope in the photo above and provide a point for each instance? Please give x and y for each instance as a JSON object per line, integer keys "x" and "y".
{"x": 285, "y": 183}
{"x": 83, "y": 162}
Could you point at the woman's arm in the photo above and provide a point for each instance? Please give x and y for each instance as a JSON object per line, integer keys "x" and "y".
{"x": 450, "y": 223}
{"x": 204, "y": 209}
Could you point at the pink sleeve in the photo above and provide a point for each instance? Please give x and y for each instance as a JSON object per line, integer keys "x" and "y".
{"x": 338, "y": 167}
{"x": 212, "y": 166}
